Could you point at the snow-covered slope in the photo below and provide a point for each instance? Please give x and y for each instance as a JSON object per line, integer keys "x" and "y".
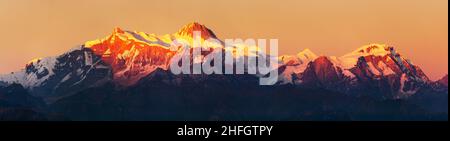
{"x": 294, "y": 65}
{"x": 35, "y": 73}
{"x": 132, "y": 55}
{"x": 72, "y": 71}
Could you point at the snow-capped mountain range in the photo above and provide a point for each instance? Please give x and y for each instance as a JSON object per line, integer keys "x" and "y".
{"x": 374, "y": 67}
{"x": 126, "y": 57}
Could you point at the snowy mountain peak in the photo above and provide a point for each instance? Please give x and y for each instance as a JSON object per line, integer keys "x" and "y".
{"x": 307, "y": 54}
{"x": 349, "y": 60}
{"x": 189, "y": 29}
{"x": 373, "y": 49}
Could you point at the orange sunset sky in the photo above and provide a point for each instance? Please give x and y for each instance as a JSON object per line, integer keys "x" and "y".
{"x": 417, "y": 28}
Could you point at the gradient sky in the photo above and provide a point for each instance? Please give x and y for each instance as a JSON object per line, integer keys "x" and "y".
{"x": 418, "y": 28}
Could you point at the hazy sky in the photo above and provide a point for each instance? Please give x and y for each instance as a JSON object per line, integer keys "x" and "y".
{"x": 418, "y": 28}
